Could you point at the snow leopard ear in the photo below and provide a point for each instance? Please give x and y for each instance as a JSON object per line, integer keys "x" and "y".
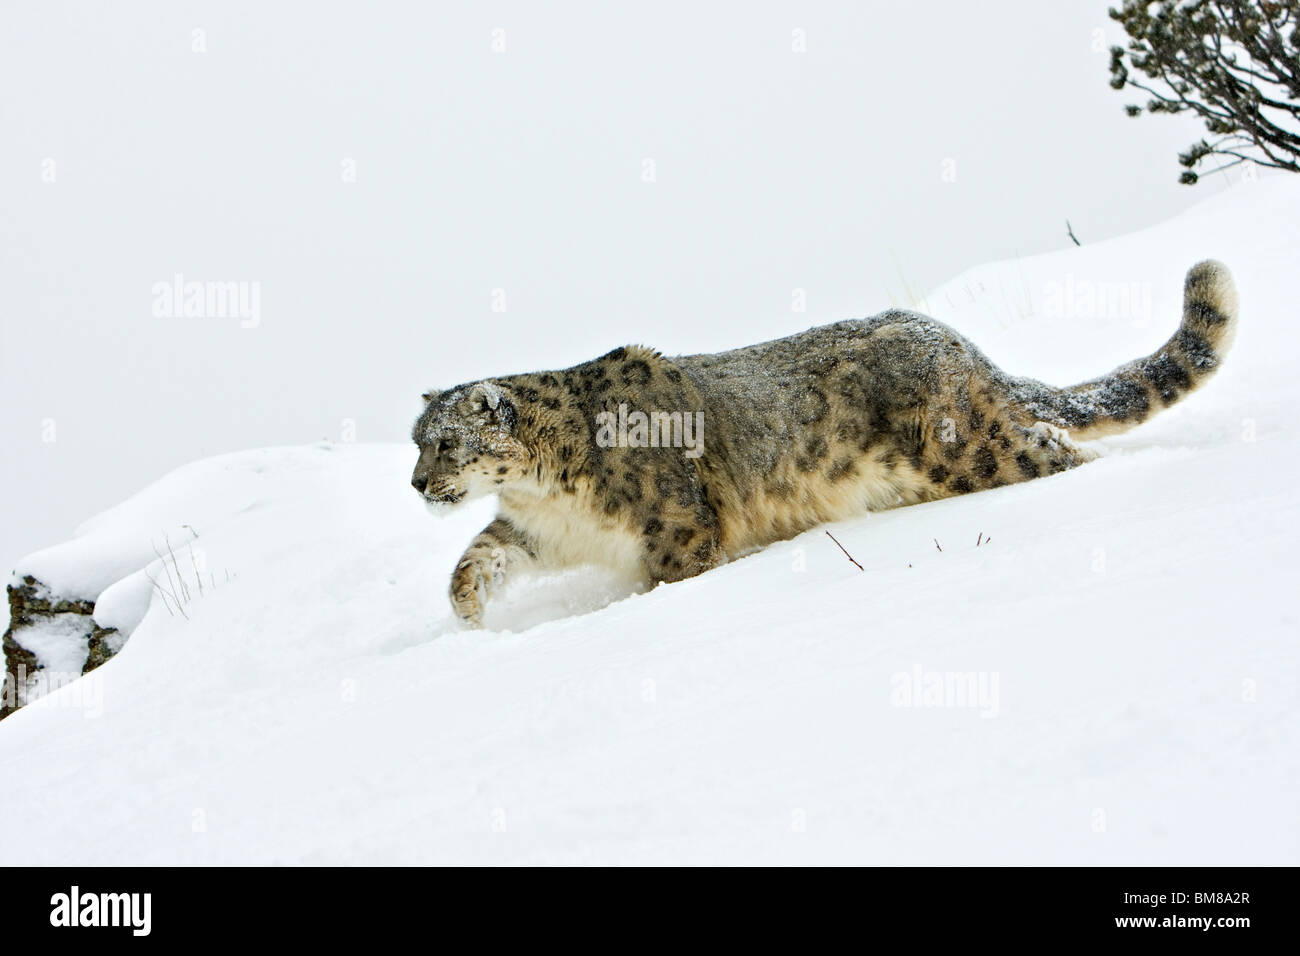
{"x": 486, "y": 399}
{"x": 431, "y": 394}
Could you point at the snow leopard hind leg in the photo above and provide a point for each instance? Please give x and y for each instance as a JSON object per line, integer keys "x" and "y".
{"x": 990, "y": 440}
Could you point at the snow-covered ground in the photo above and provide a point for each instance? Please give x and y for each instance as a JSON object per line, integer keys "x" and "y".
{"x": 1127, "y": 631}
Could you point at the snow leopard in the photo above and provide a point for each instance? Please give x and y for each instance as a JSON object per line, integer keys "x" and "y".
{"x": 666, "y": 467}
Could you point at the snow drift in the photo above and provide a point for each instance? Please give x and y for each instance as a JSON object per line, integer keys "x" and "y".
{"x": 1098, "y": 667}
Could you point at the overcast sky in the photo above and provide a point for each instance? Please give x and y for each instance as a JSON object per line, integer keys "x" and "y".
{"x": 417, "y": 189}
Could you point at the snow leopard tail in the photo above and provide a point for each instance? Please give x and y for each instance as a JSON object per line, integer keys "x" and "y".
{"x": 1135, "y": 391}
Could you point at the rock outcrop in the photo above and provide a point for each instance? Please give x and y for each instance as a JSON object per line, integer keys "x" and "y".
{"x": 49, "y": 642}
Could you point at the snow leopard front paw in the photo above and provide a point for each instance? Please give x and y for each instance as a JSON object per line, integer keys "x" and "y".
{"x": 469, "y": 592}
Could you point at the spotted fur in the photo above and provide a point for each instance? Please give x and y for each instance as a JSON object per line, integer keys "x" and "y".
{"x": 860, "y": 415}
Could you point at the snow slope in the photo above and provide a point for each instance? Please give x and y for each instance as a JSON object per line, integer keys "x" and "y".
{"x": 1128, "y": 630}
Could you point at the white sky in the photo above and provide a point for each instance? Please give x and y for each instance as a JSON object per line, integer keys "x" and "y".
{"x": 518, "y": 170}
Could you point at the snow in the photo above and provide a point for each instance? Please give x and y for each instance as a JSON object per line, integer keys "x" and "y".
{"x": 123, "y": 605}
{"x": 1127, "y": 628}
{"x": 59, "y": 643}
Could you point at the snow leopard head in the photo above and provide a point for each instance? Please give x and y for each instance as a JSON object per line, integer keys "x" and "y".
{"x": 468, "y": 449}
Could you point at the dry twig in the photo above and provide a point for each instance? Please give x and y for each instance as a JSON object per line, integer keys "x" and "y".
{"x": 846, "y": 553}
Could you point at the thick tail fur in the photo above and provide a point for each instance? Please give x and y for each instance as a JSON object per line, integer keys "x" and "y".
{"x": 1134, "y": 392}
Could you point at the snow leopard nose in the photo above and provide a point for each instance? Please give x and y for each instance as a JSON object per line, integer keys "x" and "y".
{"x": 419, "y": 482}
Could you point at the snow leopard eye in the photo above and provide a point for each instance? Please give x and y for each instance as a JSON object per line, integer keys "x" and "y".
{"x": 444, "y": 446}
